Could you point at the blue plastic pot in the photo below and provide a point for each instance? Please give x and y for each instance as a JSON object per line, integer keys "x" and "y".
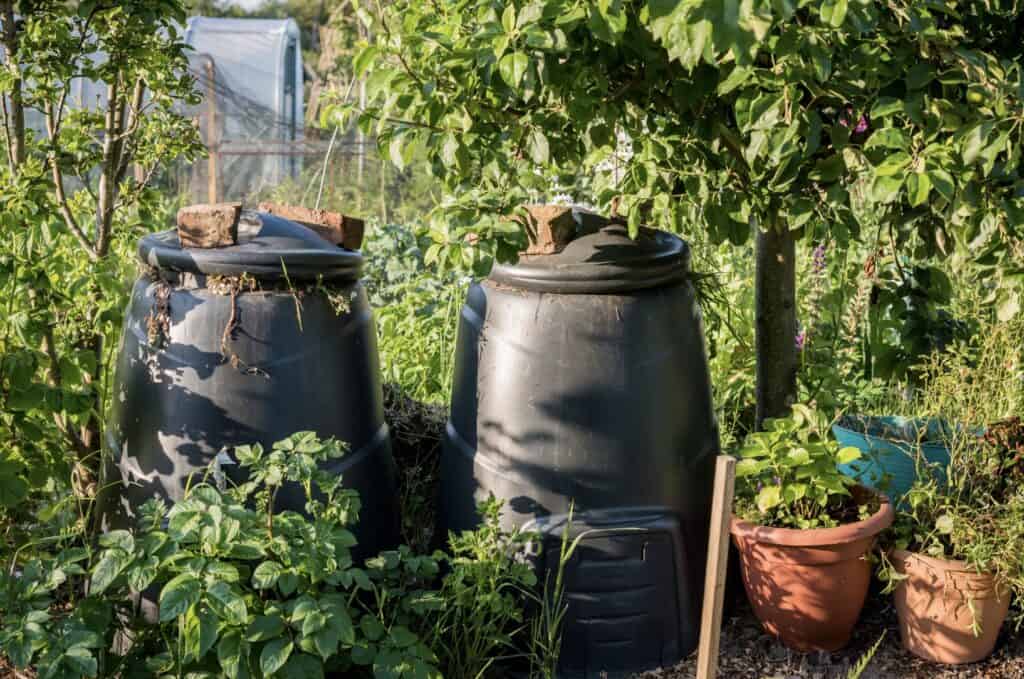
{"x": 891, "y": 447}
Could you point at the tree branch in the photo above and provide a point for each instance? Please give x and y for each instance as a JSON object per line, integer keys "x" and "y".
{"x": 62, "y": 199}
{"x": 113, "y": 122}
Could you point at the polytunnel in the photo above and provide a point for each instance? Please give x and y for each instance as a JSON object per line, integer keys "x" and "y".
{"x": 249, "y": 75}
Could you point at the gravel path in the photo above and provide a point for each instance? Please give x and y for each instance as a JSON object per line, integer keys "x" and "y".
{"x": 748, "y": 653}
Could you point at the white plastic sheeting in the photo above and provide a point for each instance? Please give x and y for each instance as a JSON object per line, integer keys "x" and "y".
{"x": 249, "y": 74}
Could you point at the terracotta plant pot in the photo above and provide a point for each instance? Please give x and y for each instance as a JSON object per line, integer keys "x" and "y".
{"x": 807, "y": 587}
{"x": 934, "y": 608}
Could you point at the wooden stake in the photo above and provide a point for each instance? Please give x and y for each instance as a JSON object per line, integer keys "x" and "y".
{"x": 718, "y": 560}
{"x": 212, "y": 142}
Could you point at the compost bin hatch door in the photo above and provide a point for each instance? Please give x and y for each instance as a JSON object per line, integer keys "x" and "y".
{"x": 268, "y": 247}
{"x": 602, "y": 260}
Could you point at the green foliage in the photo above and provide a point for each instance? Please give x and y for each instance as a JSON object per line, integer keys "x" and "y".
{"x": 698, "y": 114}
{"x": 787, "y": 476}
{"x": 908, "y": 320}
{"x": 975, "y": 511}
{"x": 417, "y": 311}
{"x": 242, "y": 590}
{"x": 245, "y": 592}
{"x": 481, "y": 614}
{"x": 70, "y": 210}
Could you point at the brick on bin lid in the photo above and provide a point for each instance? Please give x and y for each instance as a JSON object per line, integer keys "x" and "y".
{"x": 549, "y": 228}
{"x": 333, "y": 227}
{"x": 209, "y": 225}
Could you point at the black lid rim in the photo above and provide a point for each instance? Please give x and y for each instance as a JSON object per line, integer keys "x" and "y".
{"x": 669, "y": 264}
{"x": 163, "y": 251}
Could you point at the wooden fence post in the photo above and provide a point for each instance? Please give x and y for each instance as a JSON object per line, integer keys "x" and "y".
{"x": 718, "y": 561}
{"x": 212, "y": 142}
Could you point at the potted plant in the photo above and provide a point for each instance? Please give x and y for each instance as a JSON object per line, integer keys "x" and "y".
{"x": 803, "y": 530}
{"x": 956, "y": 559}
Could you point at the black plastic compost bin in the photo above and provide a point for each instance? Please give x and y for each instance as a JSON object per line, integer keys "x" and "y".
{"x": 300, "y": 354}
{"x": 581, "y": 380}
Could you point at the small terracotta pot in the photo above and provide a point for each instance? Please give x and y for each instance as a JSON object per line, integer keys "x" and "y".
{"x": 934, "y": 608}
{"x": 807, "y": 587}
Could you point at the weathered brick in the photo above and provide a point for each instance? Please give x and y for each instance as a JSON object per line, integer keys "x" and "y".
{"x": 549, "y": 228}
{"x": 209, "y": 225}
{"x": 334, "y": 227}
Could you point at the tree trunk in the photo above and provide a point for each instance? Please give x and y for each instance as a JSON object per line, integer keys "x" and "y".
{"x": 775, "y": 315}
{"x": 15, "y": 120}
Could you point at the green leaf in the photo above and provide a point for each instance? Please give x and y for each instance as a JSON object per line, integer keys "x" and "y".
{"x": 893, "y": 164}
{"x": 401, "y": 637}
{"x": 886, "y": 189}
{"x": 943, "y": 183}
{"x": 230, "y": 654}
{"x": 371, "y": 627}
{"x": 847, "y": 455}
{"x": 800, "y": 212}
{"x": 768, "y": 498}
{"x": 975, "y": 140}
{"x": 288, "y": 582}
{"x": 737, "y": 77}
{"x": 199, "y": 630}
{"x": 313, "y": 623}
{"x": 178, "y": 595}
{"x": 107, "y": 569}
{"x": 797, "y": 457}
{"x": 833, "y": 12}
{"x": 918, "y": 188}
{"x": 508, "y": 19}
{"x": 264, "y": 627}
{"x": 395, "y": 148}
{"x": 364, "y": 59}
{"x": 792, "y": 492}
{"x": 81, "y": 660}
{"x": 828, "y": 169}
{"x": 266, "y": 574}
{"x": 888, "y": 137}
{"x": 538, "y": 146}
{"x": 13, "y": 490}
{"x": 120, "y": 539}
{"x": 886, "y": 106}
{"x": 748, "y": 467}
{"x": 275, "y": 654}
{"x": 326, "y": 641}
{"x": 512, "y": 68}
{"x": 303, "y": 666}
{"x": 227, "y": 603}
{"x": 340, "y": 621}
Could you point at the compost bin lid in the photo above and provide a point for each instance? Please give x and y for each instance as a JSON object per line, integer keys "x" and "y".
{"x": 268, "y": 247}
{"x": 603, "y": 259}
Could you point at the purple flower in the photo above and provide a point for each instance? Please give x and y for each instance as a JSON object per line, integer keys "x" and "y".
{"x": 760, "y": 486}
{"x": 818, "y": 261}
{"x": 801, "y": 339}
{"x": 862, "y": 123}
{"x": 777, "y": 480}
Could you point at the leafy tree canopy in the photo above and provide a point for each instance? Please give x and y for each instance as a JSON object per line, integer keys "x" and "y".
{"x": 715, "y": 114}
